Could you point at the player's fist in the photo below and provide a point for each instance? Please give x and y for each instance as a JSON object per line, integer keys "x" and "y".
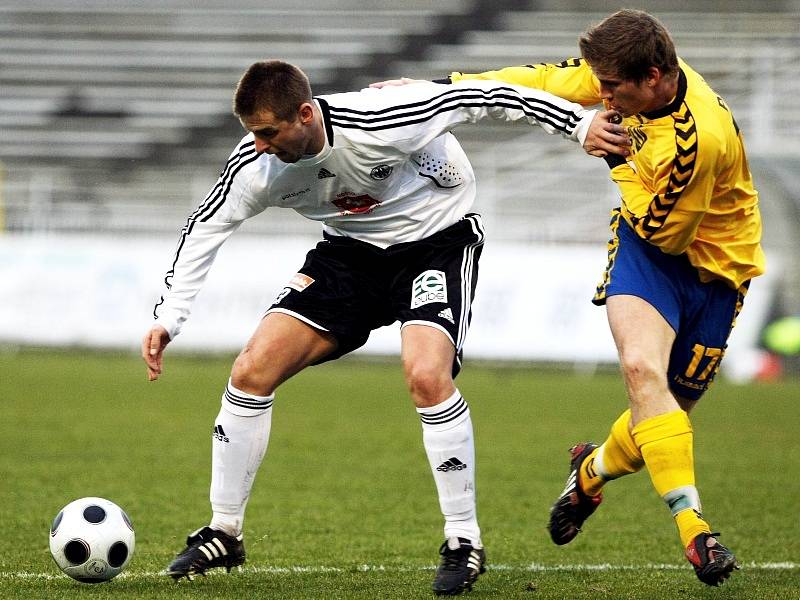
{"x": 153, "y": 344}
{"x": 606, "y": 136}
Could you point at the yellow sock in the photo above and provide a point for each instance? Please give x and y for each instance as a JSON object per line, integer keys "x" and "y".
{"x": 617, "y": 456}
{"x": 690, "y": 524}
{"x": 665, "y": 442}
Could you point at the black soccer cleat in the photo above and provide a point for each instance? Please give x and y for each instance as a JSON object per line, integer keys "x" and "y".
{"x": 712, "y": 561}
{"x": 207, "y": 549}
{"x": 573, "y": 506}
{"x": 459, "y": 568}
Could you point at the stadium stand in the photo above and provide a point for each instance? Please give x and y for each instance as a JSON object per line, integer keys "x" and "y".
{"x": 117, "y": 115}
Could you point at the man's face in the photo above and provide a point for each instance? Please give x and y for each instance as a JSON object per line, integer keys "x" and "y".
{"x": 625, "y": 96}
{"x": 289, "y": 141}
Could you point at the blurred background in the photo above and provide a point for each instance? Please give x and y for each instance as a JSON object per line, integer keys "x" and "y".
{"x": 115, "y": 121}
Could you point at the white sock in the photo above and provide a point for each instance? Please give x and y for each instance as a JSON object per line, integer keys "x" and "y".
{"x": 449, "y": 444}
{"x": 241, "y": 434}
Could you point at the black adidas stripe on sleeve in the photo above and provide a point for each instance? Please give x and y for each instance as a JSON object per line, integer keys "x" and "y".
{"x": 453, "y": 99}
{"x": 243, "y": 155}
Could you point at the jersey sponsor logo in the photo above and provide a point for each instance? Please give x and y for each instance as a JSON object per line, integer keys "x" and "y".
{"x": 300, "y": 281}
{"x": 381, "y": 172}
{"x": 353, "y": 204}
{"x": 324, "y": 174}
{"x": 297, "y": 193}
{"x": 429, "y": 286}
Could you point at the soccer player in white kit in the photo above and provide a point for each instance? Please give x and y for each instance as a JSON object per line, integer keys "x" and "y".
{"x": 392, "y": 189}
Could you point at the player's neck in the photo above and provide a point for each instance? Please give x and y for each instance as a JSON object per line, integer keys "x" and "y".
{"x": 664, "y": 92}
{"x": 318, "y": 134}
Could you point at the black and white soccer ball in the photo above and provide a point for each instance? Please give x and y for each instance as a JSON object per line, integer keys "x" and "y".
{"x": 92, "y": 540}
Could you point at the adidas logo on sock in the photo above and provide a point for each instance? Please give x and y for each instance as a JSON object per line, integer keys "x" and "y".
{"x": 451, "y": 464}
{"x": 447, "y": 314}
{"x": 219, "y": 434}
{"x": 324, "y": 173}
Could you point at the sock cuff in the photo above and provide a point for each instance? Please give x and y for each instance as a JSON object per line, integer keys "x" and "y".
{"x": 445, "y": 415}
{"x": 243, "y": 404}
{"x": 661, "y": 427}
{"x": 621, "y": 434}
{"x": 683, "y": 498}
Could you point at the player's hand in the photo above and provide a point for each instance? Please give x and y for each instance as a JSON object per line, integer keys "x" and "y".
{"x": 606, "y": 135}
{"x": 153, "y": 345}
{"x": 394, "y": 82}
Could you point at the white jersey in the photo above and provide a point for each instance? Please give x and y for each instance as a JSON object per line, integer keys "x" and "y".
{"x": 390, "y": 172}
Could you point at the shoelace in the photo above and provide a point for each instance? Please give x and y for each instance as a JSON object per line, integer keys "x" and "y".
{"x": 452, "y": 558}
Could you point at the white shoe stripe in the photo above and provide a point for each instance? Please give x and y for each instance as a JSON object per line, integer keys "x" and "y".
{"x": 571, "y": 483}
{"x": 211, "y": 548}
{"x": 206, "y": 552}
{"x": 221, "y": 546}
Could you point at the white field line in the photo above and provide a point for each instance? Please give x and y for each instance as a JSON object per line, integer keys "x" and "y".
{"x": 531, "y": 568}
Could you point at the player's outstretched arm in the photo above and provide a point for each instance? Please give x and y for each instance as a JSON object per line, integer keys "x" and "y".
{"x": 394, "y": 82}
{"x": 606, "y": 136}
{"x": 153, "y": 344}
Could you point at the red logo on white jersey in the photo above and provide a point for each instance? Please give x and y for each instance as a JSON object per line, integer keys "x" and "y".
{"x": 352, "y": 204}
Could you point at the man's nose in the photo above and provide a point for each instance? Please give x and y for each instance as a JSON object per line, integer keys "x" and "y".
{"x": 261, "y": 146}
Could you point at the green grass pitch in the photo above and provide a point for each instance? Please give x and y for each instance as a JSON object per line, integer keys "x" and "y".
{"x": 344, "y": 505}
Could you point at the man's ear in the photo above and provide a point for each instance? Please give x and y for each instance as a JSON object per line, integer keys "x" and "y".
{"x": 306, "y": 113}
{"x": 654, "y": 75}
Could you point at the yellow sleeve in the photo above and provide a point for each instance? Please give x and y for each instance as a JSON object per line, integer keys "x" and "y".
{"x": 572, "y": 79}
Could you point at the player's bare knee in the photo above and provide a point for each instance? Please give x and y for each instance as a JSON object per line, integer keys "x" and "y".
{"x": 247, "y": 377}
{"x": 641, "y": 372}
{"x": 427, "y": 384}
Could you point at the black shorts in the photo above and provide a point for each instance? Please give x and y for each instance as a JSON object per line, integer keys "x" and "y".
{"x": 349, "y": 288}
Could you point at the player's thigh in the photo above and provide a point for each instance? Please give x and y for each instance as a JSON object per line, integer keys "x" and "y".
{"x": 643, "y": 297}
{"x": 281, "y": 346}
{"x": 338, "y": 290}
{"x": 436, "y": 282}
{"x": 697, "y": 353}
{"x": 642, "y": 335}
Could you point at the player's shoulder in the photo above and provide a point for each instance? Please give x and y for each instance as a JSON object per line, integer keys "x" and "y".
{"x": 709, "y": 110}
{"x": 244, "y": 160}
{"x": 698, "y": 91}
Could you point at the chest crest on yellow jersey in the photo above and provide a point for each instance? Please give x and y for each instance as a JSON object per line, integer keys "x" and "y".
{"x": 638, "y": 137}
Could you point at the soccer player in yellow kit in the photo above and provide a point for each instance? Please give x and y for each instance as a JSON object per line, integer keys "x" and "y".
{"x": 686, "y": 242}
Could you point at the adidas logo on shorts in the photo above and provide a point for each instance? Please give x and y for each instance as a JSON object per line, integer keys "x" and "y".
{"x": 447, "y": 314}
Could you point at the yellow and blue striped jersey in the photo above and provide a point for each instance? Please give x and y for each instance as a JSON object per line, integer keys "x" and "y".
{"x": 687, "y": 186}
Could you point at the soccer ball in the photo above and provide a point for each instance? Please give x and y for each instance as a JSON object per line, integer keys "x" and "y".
{"x": 92, "y": 540}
